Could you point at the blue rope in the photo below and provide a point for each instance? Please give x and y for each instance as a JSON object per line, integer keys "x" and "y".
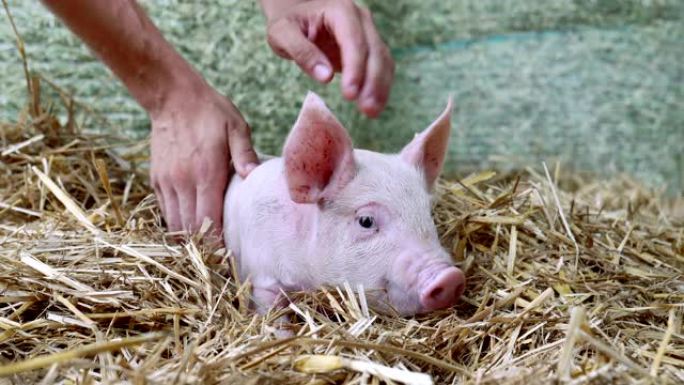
{"x": 461, "y": 44}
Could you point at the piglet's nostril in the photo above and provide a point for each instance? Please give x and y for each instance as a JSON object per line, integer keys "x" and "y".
{"x": 436, "y": 292}
{"x": 444, "y": 290}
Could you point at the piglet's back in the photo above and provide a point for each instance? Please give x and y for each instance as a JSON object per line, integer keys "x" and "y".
{"x": 244, "y": 212}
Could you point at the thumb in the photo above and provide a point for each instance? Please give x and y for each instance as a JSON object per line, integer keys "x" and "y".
{"x": 241, "y": 150}
{"x": 288, "y": 41}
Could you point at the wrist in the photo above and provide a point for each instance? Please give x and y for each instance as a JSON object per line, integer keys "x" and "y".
{"x": 163, "y": 79}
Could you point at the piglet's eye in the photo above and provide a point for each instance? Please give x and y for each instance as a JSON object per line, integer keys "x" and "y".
{"x": 366, "y": 222}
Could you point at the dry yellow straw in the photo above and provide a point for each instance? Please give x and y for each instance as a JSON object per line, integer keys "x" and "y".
{"x": 84, "y": 351}
{"x": 328, "y": 363}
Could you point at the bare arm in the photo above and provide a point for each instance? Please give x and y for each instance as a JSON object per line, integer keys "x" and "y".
{"x": 125, "y": 39}
{"x": 195, "y": 130}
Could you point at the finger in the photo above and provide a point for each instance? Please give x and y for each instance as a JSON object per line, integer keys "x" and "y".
{"x": 160, "y": 198}
{"x": 186, "y": 203}
{"x": 345, "y": 23}
{"x": 379, "y": 71}
{"x": 288, "y": 40}
{"x": 173, "y": 219}
{"x": 241, "y": 150}
{"x": 163, "y": 207}
{"x": 210, "y": 205}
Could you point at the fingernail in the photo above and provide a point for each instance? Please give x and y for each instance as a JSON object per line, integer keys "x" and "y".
{"x": 369, "y": 103}
{"x": 351, "y": 90}
{"x": 321, "y": 72}
{"x": 370, "y": 107}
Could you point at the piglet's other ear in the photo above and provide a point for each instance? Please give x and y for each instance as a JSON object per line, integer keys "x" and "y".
{"x": 428, "y": 149}
{"x": 318, "y": 154}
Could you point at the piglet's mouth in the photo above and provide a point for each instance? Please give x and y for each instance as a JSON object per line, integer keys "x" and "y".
{"x": 397, "y": 301}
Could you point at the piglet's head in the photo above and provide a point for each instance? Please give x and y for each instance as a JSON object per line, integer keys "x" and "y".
{"x": 370, "y": 221}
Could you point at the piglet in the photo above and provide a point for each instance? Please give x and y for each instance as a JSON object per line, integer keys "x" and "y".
{"x": 325, "y": 213}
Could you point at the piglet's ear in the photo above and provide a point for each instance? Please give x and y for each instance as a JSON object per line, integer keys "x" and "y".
{"x": 318, "y": 154}
{"x": 428, "y": 149}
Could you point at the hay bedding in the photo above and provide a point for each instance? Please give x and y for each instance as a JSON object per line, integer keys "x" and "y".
{"x": 580, "y": 283}
{"x": 93, "y": 291}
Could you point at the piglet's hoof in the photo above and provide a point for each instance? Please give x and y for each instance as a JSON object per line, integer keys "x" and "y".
{"x": 282, "y": 328}
{"x": 282, "y": 334}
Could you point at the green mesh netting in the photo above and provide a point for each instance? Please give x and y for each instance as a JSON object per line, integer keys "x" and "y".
{"x": 598, "y": 85}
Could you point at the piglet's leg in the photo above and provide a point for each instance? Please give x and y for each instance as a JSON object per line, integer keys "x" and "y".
{"x": 267, "y": 295}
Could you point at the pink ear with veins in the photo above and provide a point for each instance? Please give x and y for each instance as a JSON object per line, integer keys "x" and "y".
{"x": 428, "y": 149}
{"x": 318, "y": 154}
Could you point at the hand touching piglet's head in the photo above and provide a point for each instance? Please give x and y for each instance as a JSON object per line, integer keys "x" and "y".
{"x": 343, "y": 214}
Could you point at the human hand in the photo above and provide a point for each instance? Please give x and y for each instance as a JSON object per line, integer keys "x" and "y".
{"x": 194, "y": 129}
{"x": 194, "y": 136}
{"x": 323, "y": 36}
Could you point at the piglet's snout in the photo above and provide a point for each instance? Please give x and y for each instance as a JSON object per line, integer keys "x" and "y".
{"x": 443, "y": 290}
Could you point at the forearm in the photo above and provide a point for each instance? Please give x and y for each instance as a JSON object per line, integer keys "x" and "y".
{"x": 125, "y": 39}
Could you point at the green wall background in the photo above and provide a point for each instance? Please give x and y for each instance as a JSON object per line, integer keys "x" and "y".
{"x": 598, "y": 85}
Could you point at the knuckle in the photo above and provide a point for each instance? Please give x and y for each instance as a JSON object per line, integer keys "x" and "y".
{"x": 209, "y": 173}
{"x": 208, "y": 188}
{"x": 361, "y": 52}
{"x": 238, "y": 129}
{"x": 347, "y": 8}
{"x": 275, "y": 26}
{"x": 271, "y": 39}
{"x": 303, "y": 55}
{"x": 365, "y": 12}
{"x": 203, "y": 170}
{"x": 346, "y": 3}
{"x": 242, "y": 158}
{"x": 386, "y": 60}
{"x": 178, "y": 173}
{"x": 247, "y": 153}
{"x": 273, "y": 33}
{"x": 277, "y": 49}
